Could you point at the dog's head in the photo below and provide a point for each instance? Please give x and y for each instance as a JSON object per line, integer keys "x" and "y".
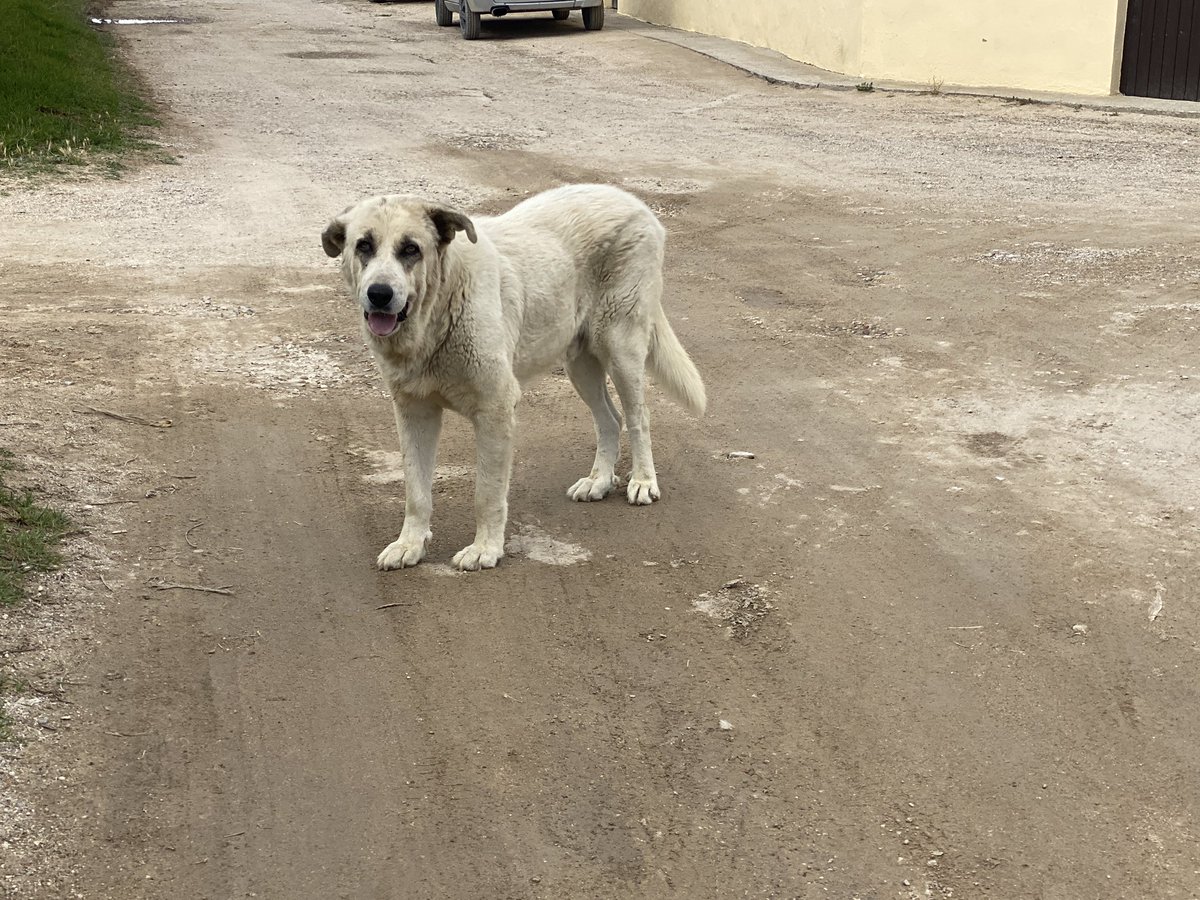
{"x": 392, "y": 249}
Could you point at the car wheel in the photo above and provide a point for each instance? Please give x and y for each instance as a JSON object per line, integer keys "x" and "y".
{"x": 560, "y": 14}
{"x": 593, "y": 18}
{"x": 468, "y": 21}
{"x": 443, "y": 15}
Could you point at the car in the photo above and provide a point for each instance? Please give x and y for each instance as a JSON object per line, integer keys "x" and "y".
{"x": 471, "y": 12}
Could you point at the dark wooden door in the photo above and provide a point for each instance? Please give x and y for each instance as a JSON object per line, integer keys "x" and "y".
{"x": 1162, "y": 49}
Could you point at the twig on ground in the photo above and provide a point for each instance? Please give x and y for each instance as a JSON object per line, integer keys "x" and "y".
{"x": 129, "y": 733}
{"x": 390, "y": 605}
{"x": 133, "y": 420}
{"x": 177, "y": 586}
{"x": 187, "y": 535}
{"x": 110, "y": 502}
{"x": 107, "y": 585}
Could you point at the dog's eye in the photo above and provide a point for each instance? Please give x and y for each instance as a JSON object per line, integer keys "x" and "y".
{"x": 365, "y": 246}
{"x": 408, "y": 250}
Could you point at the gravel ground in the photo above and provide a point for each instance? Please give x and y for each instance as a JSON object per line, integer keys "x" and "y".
{"x": 936, "y": 639}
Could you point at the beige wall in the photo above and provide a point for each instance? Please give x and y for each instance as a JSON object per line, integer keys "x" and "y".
{"x": 1049, "y": 45}
{"x": 826, "y": 33}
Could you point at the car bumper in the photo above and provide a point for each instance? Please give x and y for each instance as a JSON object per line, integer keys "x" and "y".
{"x": 487, "y": 6}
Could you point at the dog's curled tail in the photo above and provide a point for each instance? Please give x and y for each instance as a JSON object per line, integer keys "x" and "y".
{"x": 673, "y": 369}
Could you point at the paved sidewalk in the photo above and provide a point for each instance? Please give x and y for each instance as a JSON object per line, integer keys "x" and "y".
{"x": 775, "y": 67}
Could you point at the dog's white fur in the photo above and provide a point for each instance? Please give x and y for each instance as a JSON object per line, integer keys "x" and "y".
{"x": 572, "y": 275}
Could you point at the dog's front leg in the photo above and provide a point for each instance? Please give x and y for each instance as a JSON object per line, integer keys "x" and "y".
{"x": 494, "y": 432}
{"x": 420, "y": 425}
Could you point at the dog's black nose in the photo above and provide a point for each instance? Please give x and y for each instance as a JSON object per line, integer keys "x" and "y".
{"x": 380, "y": 295}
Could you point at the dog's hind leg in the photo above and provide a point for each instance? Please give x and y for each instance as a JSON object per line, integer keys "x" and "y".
{"x": 627, "y": 366}
{"x": 587, "y": 374}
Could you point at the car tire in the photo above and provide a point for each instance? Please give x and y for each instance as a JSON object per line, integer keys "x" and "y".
{"x": 444, "y": 16}
{"x": 593, "y": 18}
{"x": 468, "y": 21}
{"x": 560, "y": 14}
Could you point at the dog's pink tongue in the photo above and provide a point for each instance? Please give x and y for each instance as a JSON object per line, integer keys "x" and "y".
{"x": 382, "y": 324}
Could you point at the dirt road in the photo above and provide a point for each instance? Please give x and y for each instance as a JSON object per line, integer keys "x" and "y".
{"x": 938, "y": 639}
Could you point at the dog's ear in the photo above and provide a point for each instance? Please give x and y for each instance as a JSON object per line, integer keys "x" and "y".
{"x": 333, "y": 238}
{"x": 449, "y": 222}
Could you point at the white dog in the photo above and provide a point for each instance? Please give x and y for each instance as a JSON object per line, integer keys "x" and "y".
{"x": 573, "y": 275}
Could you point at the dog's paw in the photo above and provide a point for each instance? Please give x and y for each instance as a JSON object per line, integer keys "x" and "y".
{"x": 586, "y": 489}
{"x": 642, "y": 492}
{"x": 402, "y": 553}
{"x": 477, "y": 556}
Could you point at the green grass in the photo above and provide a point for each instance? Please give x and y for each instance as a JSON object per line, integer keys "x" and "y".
{"x": 29, "y": 536}
{"x": 64, "y": 95}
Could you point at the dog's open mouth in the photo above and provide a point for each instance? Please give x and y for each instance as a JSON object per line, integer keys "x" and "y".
{"x": 382, "y": 324}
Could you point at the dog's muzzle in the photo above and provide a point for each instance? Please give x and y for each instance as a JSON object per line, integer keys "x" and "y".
{"x": 380, "y": 319}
